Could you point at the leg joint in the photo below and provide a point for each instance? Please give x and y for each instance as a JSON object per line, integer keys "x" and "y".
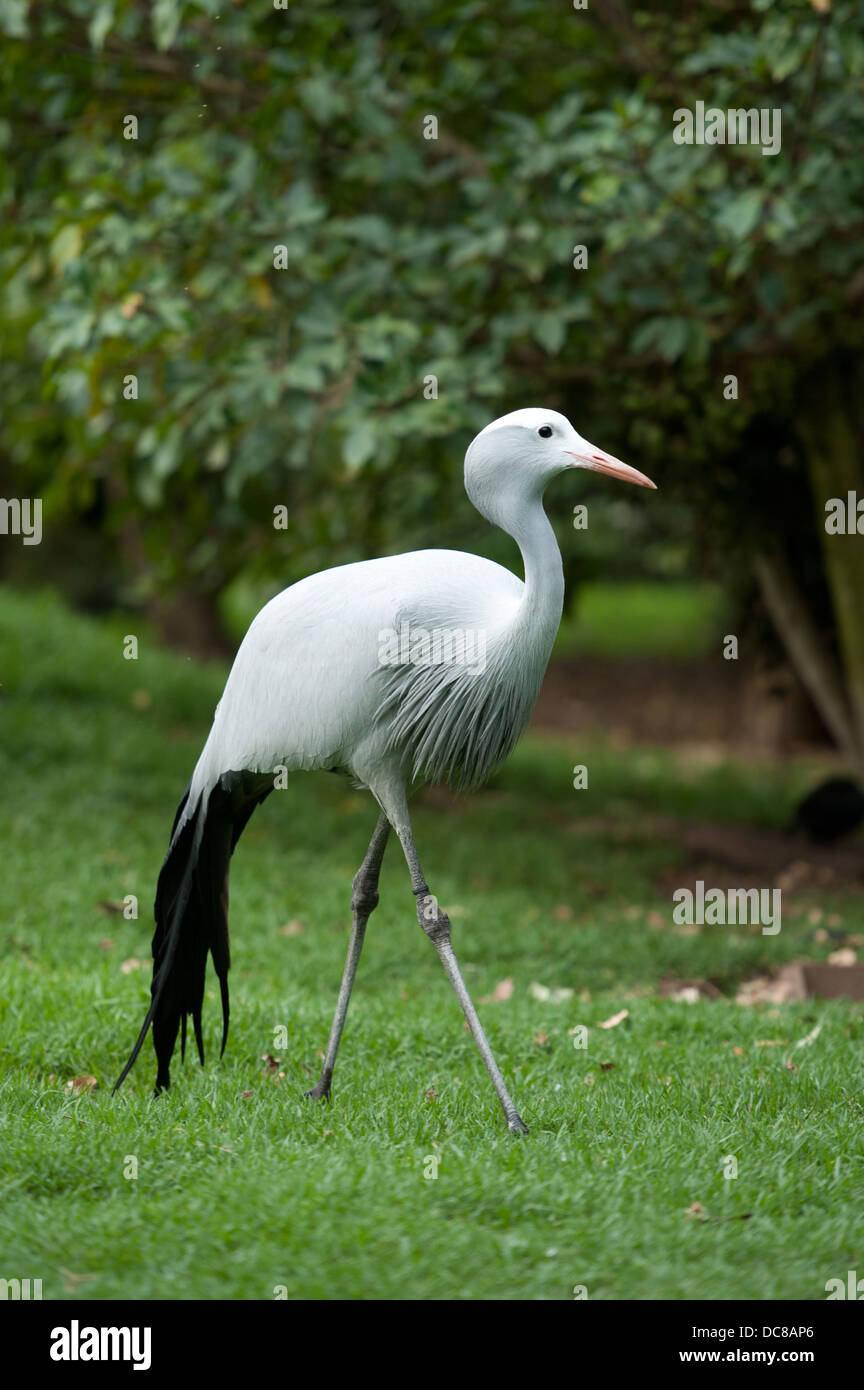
{"x": 364, "y": 896}
{"x": 433, "y": 919}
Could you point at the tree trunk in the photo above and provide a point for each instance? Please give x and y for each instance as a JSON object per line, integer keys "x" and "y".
{"x": 191, "y": 622}
{"x": 813, "y": 663}
{"x": 828, "y": 432}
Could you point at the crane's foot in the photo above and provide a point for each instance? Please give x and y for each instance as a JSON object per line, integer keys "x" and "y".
{"x": 321, "y": 1089}
{"x": 516, "y": 1124}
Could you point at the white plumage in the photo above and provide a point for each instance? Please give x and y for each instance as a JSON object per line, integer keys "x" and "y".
{"x": 346, "y": 670}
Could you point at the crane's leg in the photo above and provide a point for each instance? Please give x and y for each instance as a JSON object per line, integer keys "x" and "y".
{"x": 436, "y": 925}
{"x": 364, "y": 900}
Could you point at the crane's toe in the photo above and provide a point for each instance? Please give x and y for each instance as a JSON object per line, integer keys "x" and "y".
{"x": 517, "y": 1125}
{"x": 320, "y": 1091}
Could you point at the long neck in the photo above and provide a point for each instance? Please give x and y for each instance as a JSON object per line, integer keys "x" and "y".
{"x": 519, "y": 511}
{"x": 543, "y": 599}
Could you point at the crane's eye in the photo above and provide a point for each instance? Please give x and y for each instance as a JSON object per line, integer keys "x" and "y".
{"x": 545, "y": 431}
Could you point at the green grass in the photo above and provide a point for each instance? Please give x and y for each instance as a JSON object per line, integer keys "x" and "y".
{"x": 242, "y": 1186}
{"x": 678, "y": 621}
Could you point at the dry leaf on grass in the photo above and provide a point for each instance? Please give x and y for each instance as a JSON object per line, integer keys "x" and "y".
{"x": 697, "y": 1211}
{"x": 293, "y": 928}
{"x": 81, "y": 1084}
{"x": 133, "y": 963}
{"x": 71, "y": 1281}
{"x": 544, "y": 995}
{"x": 503, "y": 990}
{"x": 688, "y": 995}
{"x": 811, "y": 1037}
{"x": 615, "y": 1019}
{"x": 540, "y": 1039}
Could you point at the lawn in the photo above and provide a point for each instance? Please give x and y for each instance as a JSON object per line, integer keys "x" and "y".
{"x": 242, "y": 1186}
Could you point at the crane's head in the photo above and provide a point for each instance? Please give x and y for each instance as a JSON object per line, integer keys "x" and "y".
{"x": 522, "y": 451}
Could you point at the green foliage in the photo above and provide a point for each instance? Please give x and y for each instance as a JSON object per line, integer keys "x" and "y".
{"x": 405, "y": 257}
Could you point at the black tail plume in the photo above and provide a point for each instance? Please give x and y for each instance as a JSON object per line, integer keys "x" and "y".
{"x": 191, "y": 913}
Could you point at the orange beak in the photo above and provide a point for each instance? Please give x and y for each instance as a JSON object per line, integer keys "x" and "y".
{"x": 599, "y": 462}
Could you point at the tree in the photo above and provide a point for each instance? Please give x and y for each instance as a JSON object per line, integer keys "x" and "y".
{"x": 429, "y": 173}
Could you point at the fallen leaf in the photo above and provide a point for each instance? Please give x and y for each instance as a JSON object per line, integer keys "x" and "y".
{"x": 697, "y": 1210}
{"x": 615, "y": 1019}
{"x": 606, "y": 1066}
{"x": 688, "y": 995}
{"x": 562, "y": 913}
{"x": 141, "y": 699}
{"x": 790, "y": 1065}
{"x": 770, "y": 1042}
{"x": 106, "y": 944}
{"x": 133, "y": 963}
{"x": 811, "y": 1037}
{"x": 540, "y": 1039}
{"x": 544, "y": 995}
{"x": 845, "y": 956}
{"x": 656, "y": 921}
{"x": 72, "y": 1281}
{"x": 245, "y": 1095}
{"x": 81, "y": 1084}
{"x": 738, "y": 1051}
{"x": 431, "y": 1094}
{"x": 292, "y": 928}
{"x": 271, "y": 1063}
{"x": 110, "y": 907}
{"x": 503, "y": 990}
